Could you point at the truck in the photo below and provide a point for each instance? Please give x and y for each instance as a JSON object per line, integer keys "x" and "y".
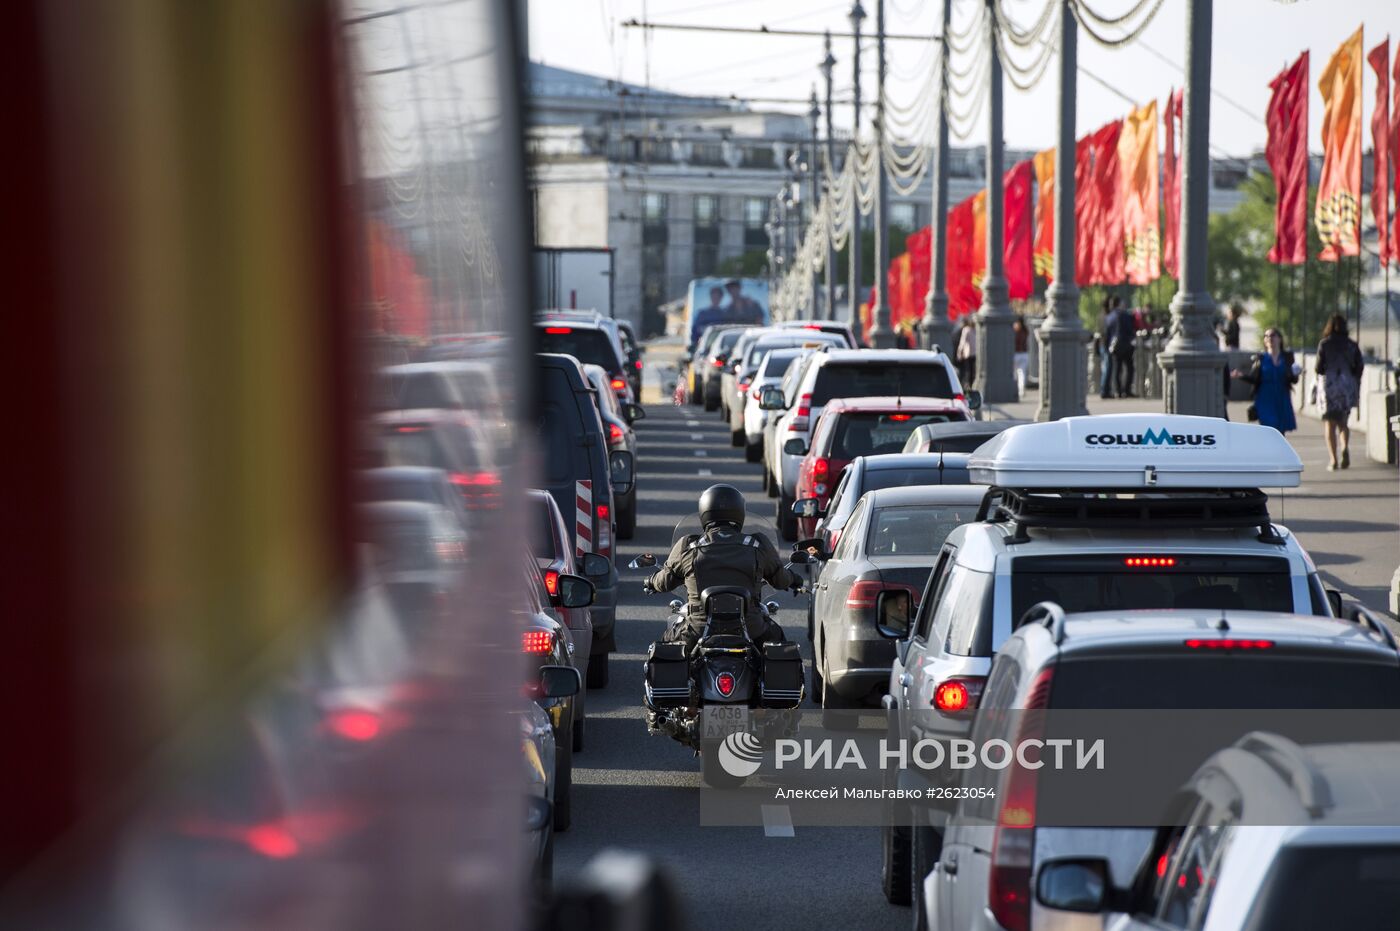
{"x": 574, "y": 279}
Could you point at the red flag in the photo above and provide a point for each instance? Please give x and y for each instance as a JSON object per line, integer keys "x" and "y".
{"x": 1016, "y": 225}
{"x": 1108, "y": 189}
{"x": 1287, "y": 152}
{"x": 962, "y": 296}
{"x": 920, "y": 261}
{"x": 1379, "y": 57}
{"x": 1337, "y": 212}
{"x": 1171, "y": 179}
{"x": 1084, "y": 215}
{"x": 1395, "y": 152}
{"x": 1043, "y": 247}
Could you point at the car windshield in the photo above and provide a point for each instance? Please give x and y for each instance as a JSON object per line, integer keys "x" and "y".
{"x": 872, "y": 434}
{"x": 422, "y": 391}
{"x": 758, "y": 350}
{"x": 929, "y": 380}
{"x": 725, "y": 341}
{"x": 1110, "y": 584}
{"x": 917, "y": 530}
{"x": 1329, "y": 887}
{"x": 590, "y": 346}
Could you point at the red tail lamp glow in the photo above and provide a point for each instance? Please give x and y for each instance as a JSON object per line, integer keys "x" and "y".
{"x": 618, "y": 384}
{"x": 357, "y": 724}
{"x": 725, "y": 683}
{"x": 614, "y": 434}
{"x": 558, "y": 330}
{"x": 538, "y": 642}
{"x": 1150, "y": 562}
{"x": 1230, "y": 643}
{"x": 272, "y": 841}
{"x": 551, "y": 582}
{"x": 900, "y": 417}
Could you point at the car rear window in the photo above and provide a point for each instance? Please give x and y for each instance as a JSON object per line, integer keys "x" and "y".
{"x": 542, "y": 529}
{"x": 1107, "y": 583}
{"x": 412, "y": 445}
{"x": 965, "y": 443}
{"x": 1186, "y": 679}
{"x": 837, "y": 380}
{"x": 725, "y": 341}
{"x": 777, "y": 363}
{"x": 873, "y": 434}
{"x": 560, "y": 426}
{"x": 1329, "y": 887}
{"x": 916, "y": 530}
{"x": 422, "y": 391}
{"x": 585, "y": 344}
{"x": 763, "y": 347}
{"x": 876, "y": 479}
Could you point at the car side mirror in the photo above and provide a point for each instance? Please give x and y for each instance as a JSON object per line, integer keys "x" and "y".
{"x": 644, "y": 561}
{"x": 634, "y": 412}
{"x": 559, "y": 681}
{"x": 893, "y": 609}
{"x": 808, "y": 508}
{"x": 1073, "y": 885}
{"x": 770, "y": 398}
{"x": 575, "y": 591}
{"x": 1334, "y": 600}
{"x": 813, "y": 548}
{"x": 974, "y": 399}
{"x": 595, "y": 564}
{"x": 799, "y": 557}
{"x": 795, "y": 447}
{"x": 620, "y": 470}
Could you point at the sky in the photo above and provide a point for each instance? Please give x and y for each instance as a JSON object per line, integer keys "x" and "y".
{"x": 1252, "y": 40}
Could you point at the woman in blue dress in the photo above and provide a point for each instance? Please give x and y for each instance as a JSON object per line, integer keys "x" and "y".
{"x": 1273, "y": 375}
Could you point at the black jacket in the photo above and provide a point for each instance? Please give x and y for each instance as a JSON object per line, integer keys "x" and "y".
{"x": 723, "y": 557}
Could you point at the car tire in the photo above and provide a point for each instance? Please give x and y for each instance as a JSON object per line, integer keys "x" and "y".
{"x": 697, "y": 391}
{"x": 711, "y": 404}
{"x": 627, "y": 518}
{"x": 832, "y": 703}
{"x": 772, "y": 484}
{"x": 578, "y": 730}
{"x": 544, "y": 876}
{"x": 925, "y": 847}
{"x": 894, "y": 864}
{"x": 736, "y": 438}
{"x": 753, "y": 452}
{"x": 563, "y": 780}
{"x": 598, "y": 671}
{"x": 787, "y": 521}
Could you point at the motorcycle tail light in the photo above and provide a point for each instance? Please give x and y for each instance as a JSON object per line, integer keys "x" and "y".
{"x": 725, "y": 683}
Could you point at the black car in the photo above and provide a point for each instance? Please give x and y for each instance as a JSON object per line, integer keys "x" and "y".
{"x": 582, "y": 475}
{"x": 413, "y": 483}
{"x": 871, "y": 473}
{"x": 960, "y": 437}
{"x": 592, "y": 342}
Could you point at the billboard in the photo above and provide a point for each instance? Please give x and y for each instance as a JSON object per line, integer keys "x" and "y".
{"x": 724, "y": 300}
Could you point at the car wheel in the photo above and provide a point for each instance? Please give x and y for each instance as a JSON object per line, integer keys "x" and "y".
{"x": 925, "y": 847}
{"x": 736, "y": 438}
{"x": 627, "y": 518}
{"x": 894, "y": 864}
{"x": 696, "y": 391}
{"x": 598, "y": 671}
{"x": 711, "y": 404}
{"x": 832, "y": 703}
{"x": 563, "y": 780}
{"x": 753, "y": 452}
{"x": 771, "y": 484}
{"x": 787, "y": 521}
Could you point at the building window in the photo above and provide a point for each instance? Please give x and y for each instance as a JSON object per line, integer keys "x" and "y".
{"x": 755, "y": 218}
{"x": 654, "y": 208}
{"x": 706, "y": 234}
{"x": 905, "y": 216}
{"x": 706, "y": 211}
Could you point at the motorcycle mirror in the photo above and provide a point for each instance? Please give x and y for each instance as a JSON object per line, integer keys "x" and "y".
{"x": 800, "y": 557}
{"x": 813, "y": 548}
{"x": 644, "y": 561}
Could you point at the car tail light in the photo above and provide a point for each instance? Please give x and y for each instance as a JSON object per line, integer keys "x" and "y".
{"x": 638, "y": 364}
{"x": 619, "y": 384}
{"x": 744, "y": 385}
{"x": 725, "y": 683}
{"x": 602, "y": 529}
{"x": 804, "y": 412}
{"x": 410, "y": 429}
{"x": 865, "y": 592}
{"x": 614, "y": 434}
{"x": 479, "y": 489}
{"x": 821, "y": 467}
{"x": 900, "y": 418}
{"x": 1013, "y": 843}
{"x": 558, "y": 330}
{"x": 272, "y": 841}
{"x": 1150, "y": 562}
{"x": 717, "y": 362}
{"x": 357, "y": 724}
{"x": 551, "y": 582}
{"x": 959, "y": 694}
{"x": 1229, "y": 643}
{"x": 538, "y": 642}
{"x": 450, "y": 550}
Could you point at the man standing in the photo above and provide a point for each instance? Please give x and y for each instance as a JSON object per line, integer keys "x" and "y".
{"x": 1122, "y": 344}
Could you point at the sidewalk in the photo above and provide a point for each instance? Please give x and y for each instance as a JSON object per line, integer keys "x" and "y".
{"x": 1349, "y": 521}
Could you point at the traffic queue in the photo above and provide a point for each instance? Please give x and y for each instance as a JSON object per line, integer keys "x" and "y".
{"x": 1123, "y": 561}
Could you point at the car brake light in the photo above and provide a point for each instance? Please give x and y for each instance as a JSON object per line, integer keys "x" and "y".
{"x": 1150, "y": 562}
{"x": 602, "y": 531}
{"x": 475, "y": 479}
{"x": 411, "y": 429}
{"x": 638, "y": 364}
{"x": 272, "y": 841}
{"x": 717, "y": 362}
{"x": 614, "y": 434}
{"x": 603, "y": 512}
{"x": 558, "y": 330}
{"x": 725, "y": 683}
{"x": 820, "y": 467}
{"x": 538, "y": 641}
{"x": 357, "y": 724}
{"x": 959, "y": 694}
{"x": 744, "y": 385}
{"x": 960, "y": 397}
{"x": 804, "y": 406}
{"x": 1013, "y": 843}
{"x": 551, "y": 582}
{"x": 1229, "y": 643}
{"x": 450, "y": 550}
{"x": 900, "y": 418}
{"x": 864, "y": 592}
{"x": 618, "y": 384}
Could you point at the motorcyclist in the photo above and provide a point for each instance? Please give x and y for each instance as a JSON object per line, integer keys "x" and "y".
{"x": 723, "y": 555}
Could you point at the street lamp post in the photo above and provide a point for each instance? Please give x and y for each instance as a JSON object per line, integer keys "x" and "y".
{"x": 857, "y": 15}
{"x": 829, "y": 63}
{"x": 1192, "y": 362}
{"x": 881, "y": 330}
{"x": 1063, "y": 377}
{"x": 937, "y": 329}
{"x": 814, "y": 113}
{"x": 994, "y": 339}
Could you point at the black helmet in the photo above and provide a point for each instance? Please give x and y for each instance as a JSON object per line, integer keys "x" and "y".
{"x": 722, "y": 504}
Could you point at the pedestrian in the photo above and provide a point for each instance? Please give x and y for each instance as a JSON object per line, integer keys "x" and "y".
{"x": 1339, "y": 364}
{"x": 1105, "y": 356}
{"x": 1273, "y": 373}
{"x": 967, "y": 352}
{"x": 1022, "y": 355}
{"x": 1122, "y": 344}
{"x": 1230, "y": 331}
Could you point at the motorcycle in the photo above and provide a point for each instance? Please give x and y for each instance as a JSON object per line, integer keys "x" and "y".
{"x": 727, "y": 684}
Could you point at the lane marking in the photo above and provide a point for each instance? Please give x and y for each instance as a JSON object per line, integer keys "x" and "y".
{"x": 692, "y": 423}
{"x": 701, "y": 452}
{"x": 697, "y": 436}
{"x": 704, "y": 473}
{"x": 777, "y": 821}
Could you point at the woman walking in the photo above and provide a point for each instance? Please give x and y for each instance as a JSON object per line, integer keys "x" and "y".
{"x": 1339, "y": 363}
{"x": 1273, "y": 374}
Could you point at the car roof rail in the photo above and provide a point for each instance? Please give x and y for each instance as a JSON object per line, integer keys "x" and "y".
{"x": 1291, "y": 762}
{"x": 1362, "y": 615}
{"x": 1049, "y": 614}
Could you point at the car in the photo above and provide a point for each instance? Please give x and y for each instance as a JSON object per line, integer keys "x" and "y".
{"x": 869, "y": 473}
{"x": 414, "y": 483}
{"x": 592, "y": 342}
{"x": 1194, "y": 533}
{"x": 537, "y": 754}
{"x": 420, "y": 551}
{"x": 842, "y": 330}
{"x": 963, "y": 436}
{"x": 581, "y": 474}
{"x": 851, "y": 427}
{"x": 737, "y": 379}
{"x": 1266, "y": 834}
{"x": 980, "y": 875}
{"x": 555, "y": 558}
{"x": 419, "y": 386}
{"x": 769, "y": 371}
{"x": 697, "y": 355}
{"x": 894, "y": 537}
{"x": 774, "y": 404}
{"x": 617, "y": 420}
{"x": 849, "y": 373}
{"x": 712, "y": 367}
{"x": 453, "y": 442}
{"x": 622, "y": 332}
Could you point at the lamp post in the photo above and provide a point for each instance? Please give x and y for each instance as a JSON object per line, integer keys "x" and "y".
{"x": 829, "y": 63}
{"x": 881, "y": 330}
{"x": 857, "y": 16}
{"x": 814, "y": 114}
{"x": 937, "y": 329}
{"x": 995, "y": 344}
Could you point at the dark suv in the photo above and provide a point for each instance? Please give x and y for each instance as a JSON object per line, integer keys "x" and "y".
{"x": 582, "y": 476}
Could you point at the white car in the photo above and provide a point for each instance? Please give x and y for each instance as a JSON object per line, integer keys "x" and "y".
{"x": 769, "y": 371}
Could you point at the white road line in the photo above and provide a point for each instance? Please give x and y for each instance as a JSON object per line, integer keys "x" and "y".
{"x": 777, "y": 821}
{"x": 692, "y": 423}
{"x": 704, "y": 473}
{"x": 701, "y": 452}
{"x": 697, "y": 436}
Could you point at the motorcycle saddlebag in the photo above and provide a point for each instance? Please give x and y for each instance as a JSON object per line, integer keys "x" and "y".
{"x": 782, "y": 675}
{"x": 667, "y": 675}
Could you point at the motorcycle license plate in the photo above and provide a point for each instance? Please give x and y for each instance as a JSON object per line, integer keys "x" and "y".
{"x": 722, "y": 720}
